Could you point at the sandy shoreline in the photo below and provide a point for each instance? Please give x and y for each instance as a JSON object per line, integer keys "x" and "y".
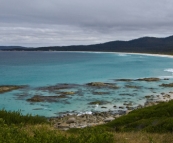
{"x": 147, "y": 54}
{"x": 99, "y": 52}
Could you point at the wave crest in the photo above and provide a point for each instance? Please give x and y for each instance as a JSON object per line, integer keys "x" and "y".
{"x": 169, "y": 70}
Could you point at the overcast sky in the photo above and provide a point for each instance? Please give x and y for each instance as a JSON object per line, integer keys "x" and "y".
{"x": 35, "y": 23}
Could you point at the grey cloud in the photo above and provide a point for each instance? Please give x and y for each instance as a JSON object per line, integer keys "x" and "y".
{"x": 62, "y": 22}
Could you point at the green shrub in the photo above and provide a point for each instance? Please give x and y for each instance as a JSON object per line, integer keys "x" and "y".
{"x": 158, "y": 118}
{"x": 15, "y": 117}
{"x": 18, "y": 134}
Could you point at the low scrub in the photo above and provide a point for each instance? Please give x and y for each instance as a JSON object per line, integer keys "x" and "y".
{"x": 151, "y": 124}
{"x": 156, "y": 119}
{"x": 15, "y": 117}
{"x": 46, "y": 134}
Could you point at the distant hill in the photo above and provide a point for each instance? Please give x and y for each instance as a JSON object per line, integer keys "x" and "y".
{"x": 10, "y": 47}
{"x": 141, "y": 45}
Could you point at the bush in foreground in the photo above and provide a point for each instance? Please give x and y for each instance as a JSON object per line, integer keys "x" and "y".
{"x": 46, "y": 134}
{"x": 15, "y": 117}
{"x": 155, "y": 119}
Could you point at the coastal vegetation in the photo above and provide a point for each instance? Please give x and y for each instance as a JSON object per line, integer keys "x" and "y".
{"x": 17, "y": 128}
{"x": 154, "y": 119}
{"x": 149, "y": 124}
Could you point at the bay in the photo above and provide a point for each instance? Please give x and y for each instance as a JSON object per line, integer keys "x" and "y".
{"x": 44, "y": 69}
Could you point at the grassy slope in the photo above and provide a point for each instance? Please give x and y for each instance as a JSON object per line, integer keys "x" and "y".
{"x": 151, "y": 124}
{"x": 158, "y": 118}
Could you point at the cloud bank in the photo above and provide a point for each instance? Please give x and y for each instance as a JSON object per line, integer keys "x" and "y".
{"x": 61, "y": 22}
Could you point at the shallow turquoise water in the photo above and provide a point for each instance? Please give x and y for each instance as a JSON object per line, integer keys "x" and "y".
{"x": 41, "y": 69}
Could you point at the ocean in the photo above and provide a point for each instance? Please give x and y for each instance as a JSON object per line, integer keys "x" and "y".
{"x": 45, "y": 73}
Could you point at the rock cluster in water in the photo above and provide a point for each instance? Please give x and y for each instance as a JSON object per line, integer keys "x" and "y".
{"x": 148, "y": 79}
{"x": 96, "y": 90}
{"x": 167, "y": 85}
{"x": 102, "y": 85}
{"x": 40, "y": 98}
{"x": 6, "y": 88}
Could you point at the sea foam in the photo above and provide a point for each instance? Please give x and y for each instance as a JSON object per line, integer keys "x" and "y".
{"x": 169, "y": 70}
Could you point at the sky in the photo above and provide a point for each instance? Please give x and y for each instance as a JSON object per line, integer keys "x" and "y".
{"x": 35, "y": 23}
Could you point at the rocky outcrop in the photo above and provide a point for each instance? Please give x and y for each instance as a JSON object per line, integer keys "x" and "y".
{"x": 150, "y": 103}
{"x": 71, "y": 120}
{"x": 109, "y": 119}
{"x": 81, "y": 121}
{"x": 100, "y": 93}
{"x": 126, "y": 80}
{"x": 132, "y": 86}
{"x": 57, "y": 87}
{"x": 67, "y": 93}
{"x": 39, "y": 98}
{"x": 7, "y": 88}
{"x": 99, "y": 102}
{"x": 96, "y": 84}
{"x": 167, "y": 85}
{"x": 148, "y": 79}
{"x": 36, "y": 98}
{"x": 102, "y": 85}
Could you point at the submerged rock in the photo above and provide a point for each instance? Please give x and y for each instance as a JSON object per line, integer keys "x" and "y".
{"x": 96, "y": 84}
{"x": 38, "y": 109}
{"x": 100, "y": 93}
{"x": 127, "y": 80}
{"x": 167, "y": 85}
{"x": 68, "y": 93}
{"x": 128, "y": 104}
{"x": 121, "y": 107}
{"x": 57, "y": 87}
{"x": 166, "y": 79}
{"x": 101, "y": 85}
{"x": 148, "y": 96}
{"x": 36, "y": 98}
{"x": 7, "y": 88}
{"x": 39, "y": 98}
{"x": 148, "y": 79}
{"x": 99, "y": 102}
{"x": 132, "y": 86}
{"x": 103, "y": 107}
{"x": 126, "y": 94}
{"x": 60, "y": 96}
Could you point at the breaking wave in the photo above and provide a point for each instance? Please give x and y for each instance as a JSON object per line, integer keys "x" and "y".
{"x": 169, "y": 70}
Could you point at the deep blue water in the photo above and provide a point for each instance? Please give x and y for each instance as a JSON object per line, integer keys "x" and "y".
{"x": 38, "y": 69}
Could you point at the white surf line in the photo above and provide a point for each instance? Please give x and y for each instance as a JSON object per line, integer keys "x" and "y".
{"x": 128, "y": 53}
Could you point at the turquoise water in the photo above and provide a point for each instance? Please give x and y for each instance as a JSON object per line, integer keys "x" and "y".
{"x": 38, "y": 70}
